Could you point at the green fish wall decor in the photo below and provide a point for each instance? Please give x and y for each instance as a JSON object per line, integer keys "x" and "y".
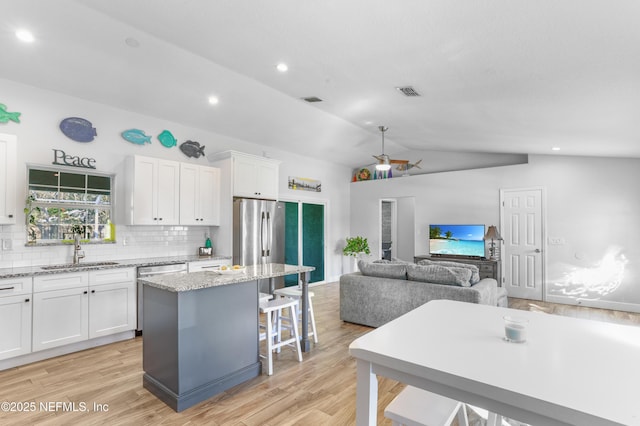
{"x": 167, "y": 139}
{"x": 5, "y": 116}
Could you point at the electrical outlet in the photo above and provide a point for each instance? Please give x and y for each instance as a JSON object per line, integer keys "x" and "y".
{"x": 6, "y": 244}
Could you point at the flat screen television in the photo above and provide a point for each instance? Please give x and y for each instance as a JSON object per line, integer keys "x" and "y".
{"x": 456, "y": 240}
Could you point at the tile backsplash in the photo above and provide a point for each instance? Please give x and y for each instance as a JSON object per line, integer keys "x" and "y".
{"x": 133, "y": 242}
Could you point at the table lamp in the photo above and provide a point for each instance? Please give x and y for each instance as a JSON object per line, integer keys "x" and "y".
{"x": 493, "y": 236}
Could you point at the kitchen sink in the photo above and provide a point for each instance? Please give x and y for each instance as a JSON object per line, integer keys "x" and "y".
{"x": 77, "y": 265}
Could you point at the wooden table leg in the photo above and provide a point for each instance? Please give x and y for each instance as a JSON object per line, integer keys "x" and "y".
{"x": 366, "y": 394}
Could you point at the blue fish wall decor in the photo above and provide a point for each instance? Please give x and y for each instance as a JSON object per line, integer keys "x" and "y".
{"x": 136, "y": 136}
{"x": 78, "y": 129}
{"x": 167, "y": 139}
{"x": 5, "y": 116}
{"x": 192, "y": 149}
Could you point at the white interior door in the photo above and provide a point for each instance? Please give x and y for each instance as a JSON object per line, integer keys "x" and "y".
{"x": 523, "y": 233}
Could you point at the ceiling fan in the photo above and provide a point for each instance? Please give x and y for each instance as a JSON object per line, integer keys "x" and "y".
{"x": 384, "y": 162}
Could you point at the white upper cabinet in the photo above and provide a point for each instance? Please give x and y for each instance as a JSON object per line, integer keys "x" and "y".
{"x": 199, "y": 195}
{"x": 153, "y": 193}
{"x": 251, "y": 176}
{"x": 7, "y": 179}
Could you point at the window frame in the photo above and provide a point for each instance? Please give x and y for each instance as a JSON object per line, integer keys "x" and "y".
{"x": 87, "y": 206}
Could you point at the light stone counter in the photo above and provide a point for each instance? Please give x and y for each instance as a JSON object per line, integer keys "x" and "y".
{"x": 206, "y": 279}
{"x": 31, "y": 271}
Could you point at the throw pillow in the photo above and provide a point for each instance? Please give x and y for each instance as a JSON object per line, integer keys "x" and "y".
{"x": 439, "y": 274}
{"x": 475, "y": 272}
{"x": 396, "y": 271}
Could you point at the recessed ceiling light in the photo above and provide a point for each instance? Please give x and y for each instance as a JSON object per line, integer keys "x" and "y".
{"x": 555, "y": 148}
{"x": 213, "y": 100}
{"x": 132, "y": 42}
{"x": 282, "y": 67}
{"x": 25, "y": 35}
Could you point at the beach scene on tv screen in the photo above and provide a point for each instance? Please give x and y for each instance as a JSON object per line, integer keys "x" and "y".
{"x": 461, "y": 240}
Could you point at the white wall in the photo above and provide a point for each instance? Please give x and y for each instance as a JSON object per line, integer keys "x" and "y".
{"x": 593, "y": 204}
{"x": 406, "y": 228}
{"x": 38, "y": 134}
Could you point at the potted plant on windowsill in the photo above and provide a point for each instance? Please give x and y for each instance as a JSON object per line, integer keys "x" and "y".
{"x": 30, "y": 212}
{"x": 356, "y": 247}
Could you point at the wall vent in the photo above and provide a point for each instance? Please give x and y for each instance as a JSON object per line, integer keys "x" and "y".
{"x": 312, "y": 99}
{"x": 408, "y": 91}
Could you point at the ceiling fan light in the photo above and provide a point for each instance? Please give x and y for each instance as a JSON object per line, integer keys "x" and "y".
{"x": 383, "y": 163}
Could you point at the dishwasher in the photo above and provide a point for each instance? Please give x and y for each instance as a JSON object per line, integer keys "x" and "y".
{"x": 151, "y": 271}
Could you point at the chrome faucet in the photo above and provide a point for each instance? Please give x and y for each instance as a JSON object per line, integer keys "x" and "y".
{"x": 77, "y": 253}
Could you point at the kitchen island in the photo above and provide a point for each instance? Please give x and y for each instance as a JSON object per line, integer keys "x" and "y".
{"x": 201, "y": 331}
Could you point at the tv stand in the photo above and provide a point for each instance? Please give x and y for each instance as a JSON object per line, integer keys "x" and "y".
{"x": 488, "y": 268}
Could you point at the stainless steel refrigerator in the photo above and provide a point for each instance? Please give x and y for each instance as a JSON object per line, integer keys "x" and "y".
{"x": 258, "y": 235}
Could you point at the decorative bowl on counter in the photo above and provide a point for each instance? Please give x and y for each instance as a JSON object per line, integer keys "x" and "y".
{"x": 231, "y": 270}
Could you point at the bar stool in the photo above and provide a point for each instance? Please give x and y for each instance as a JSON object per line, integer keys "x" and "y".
{"x": 418, "y": 407}
{"x": 275, "y": 322}
{"x": 296, "y": 293}
{"x": 264, "y": 297}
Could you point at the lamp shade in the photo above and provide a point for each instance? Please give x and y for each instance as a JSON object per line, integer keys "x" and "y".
{"x": 383, "y": 163}
{"x": 492, "y": 234}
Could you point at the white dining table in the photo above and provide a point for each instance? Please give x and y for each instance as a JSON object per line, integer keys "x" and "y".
{"x": 569, "y": 371}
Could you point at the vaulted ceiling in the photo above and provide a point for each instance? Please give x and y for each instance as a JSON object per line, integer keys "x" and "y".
{"x": 493, "y": 76}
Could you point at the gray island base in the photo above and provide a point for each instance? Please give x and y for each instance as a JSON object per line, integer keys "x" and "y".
{"x": 201, "y": 332}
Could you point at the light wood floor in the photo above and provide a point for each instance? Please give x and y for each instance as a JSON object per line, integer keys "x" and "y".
{"x": 319, "y": 391}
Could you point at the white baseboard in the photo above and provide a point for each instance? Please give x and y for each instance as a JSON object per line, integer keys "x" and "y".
{"x": 64, "y": 350}
{"x": 602, "y": 304}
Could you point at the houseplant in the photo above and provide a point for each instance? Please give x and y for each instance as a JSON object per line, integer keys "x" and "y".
{"x": 356, "y": 247}
{"x": 30, "y": 212}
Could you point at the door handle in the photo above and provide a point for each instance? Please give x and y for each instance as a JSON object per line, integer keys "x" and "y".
{"x": 537, "y": 250}
{"x": 268, "y": 234}
{"x": 262, "y": 228}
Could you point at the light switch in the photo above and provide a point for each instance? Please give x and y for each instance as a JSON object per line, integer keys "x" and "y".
{"x": 6, "y": 244}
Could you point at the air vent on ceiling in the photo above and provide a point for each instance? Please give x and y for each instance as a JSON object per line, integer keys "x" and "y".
{"x": 312, "y": 99}
{"x": 408, "y": 91}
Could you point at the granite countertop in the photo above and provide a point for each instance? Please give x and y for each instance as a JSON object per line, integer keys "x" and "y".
{"x": 206, "y": 279}
{"x": 125, "y": 263}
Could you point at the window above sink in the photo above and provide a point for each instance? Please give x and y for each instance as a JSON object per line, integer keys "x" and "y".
{"x": 63, "y": 202}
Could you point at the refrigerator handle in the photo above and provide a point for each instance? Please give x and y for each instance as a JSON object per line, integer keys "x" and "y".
{"x": 262, "y": 230}
{"x": 269, "y": 231}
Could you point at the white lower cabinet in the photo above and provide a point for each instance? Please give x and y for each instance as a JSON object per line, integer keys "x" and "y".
{"x": 69, "y": 308}
{"x": 15, "y": 317}
{"x": 112, "y": 307}
{"x": 60, "y": 317}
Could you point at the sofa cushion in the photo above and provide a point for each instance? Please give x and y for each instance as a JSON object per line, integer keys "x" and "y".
{"x": 439, "y": 274}
{"x": 393, "y": 262}
{"x": 475, "y": 272}
{"x": 396, "y": 271}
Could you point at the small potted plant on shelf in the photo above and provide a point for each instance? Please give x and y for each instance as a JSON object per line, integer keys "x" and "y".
{"x": 356, "y": 247}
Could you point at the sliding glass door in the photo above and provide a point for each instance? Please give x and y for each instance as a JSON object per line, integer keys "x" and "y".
{"x": 304, "y": 238}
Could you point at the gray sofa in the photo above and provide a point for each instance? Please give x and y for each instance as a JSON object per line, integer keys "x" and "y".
{"x": 381, "y": 292}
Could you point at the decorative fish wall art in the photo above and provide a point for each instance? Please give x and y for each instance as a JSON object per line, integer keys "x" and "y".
{"x": 167, "y": 139}
{"x": 192, "y": 149}
{"x": 5, "y": 116}
{"x": 78, "y": 129}
{"x": 136, "y": 136}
